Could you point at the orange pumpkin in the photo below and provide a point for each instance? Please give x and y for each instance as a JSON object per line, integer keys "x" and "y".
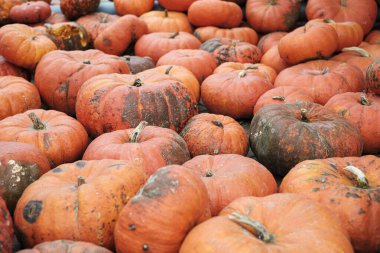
{"x": 373, "y": 37}
{"x": 166, "y": 21}
{"x": 372, "y": 80}
{"x": 96, "y": 23}
{"x": 245, "y": 34}
{"x": 30, "y": 12}
{"x": 176, "y": 5}
{"x": 269, "y": 40}
{"x": 137, "y": 8}
{"x": 350, "y": 188}
{"x": 273, "y": 59}
{"x": 8, "y": 69}
{"x": 66, "y": 246}
{"x": 5, "y": 7}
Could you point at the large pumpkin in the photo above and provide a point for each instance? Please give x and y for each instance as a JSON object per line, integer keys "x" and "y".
{"x": 286, "y": 223}
{"x": 59, "y": 89}
{"x": 372, "y": 77}
{"x": 213, "y": 134}
{"x": 245, "y": 34}
{"x": 66, "y": 246}
{"x": 223, "y": 173}
{"x": 96, "y": 23}
{"x": 61, "y": 138}
{"x": 17, "y": 95}
{"x": 89, "y": 196}
{"x": 166, "y": 208}
{"x": 350, "y": 188}
{"x": 6, "y": 228}
{"x": 153, "y": 146}
{"x": 166, "y": 21}
{"x": 111, "y": 102}
{"x": 283, "y": 135}
{"x": 74, "y": 9}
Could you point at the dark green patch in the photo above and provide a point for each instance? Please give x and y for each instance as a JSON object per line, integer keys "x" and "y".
{"x": 32, "y": 211}
{"x": 352, "y": 195}
{"x": 361, "y": 211}
{"x": 80, "y": 164}
{"x": 57, "y": 170}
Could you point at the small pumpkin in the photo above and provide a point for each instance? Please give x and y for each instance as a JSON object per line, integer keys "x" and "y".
{"x": 138, "y": 64}
{"x": 137, "y": 8}
{"x": 6, "y": 228}
{"x": 372, "y": 80}
{"x": 167, "y": 21}
{"x": 66, "y": 246}
{"x": 245, "y": 34}
{"x": 73, "y": 9}
{"x": 269, "y": 40}
{"x": 96, "y": 23}
{"x": 30, "y": 12}
{"x": 8, "y": 69}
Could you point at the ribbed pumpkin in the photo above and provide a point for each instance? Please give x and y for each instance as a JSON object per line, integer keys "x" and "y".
{"x": 222, "y": 173}
{"x": 213, "y": 134}
{"x": 96, "y": 23}
{"x": 245, "y": 34}
{"x": 66, "y": 246}
{"x": 6, "y": 228}
{"x": 110, "y": 102}
{"x": 8, "y": 69}
{"x": 74, "y": 9}
{"x": 283, "y": 135}
{"x": 84, "y": 191}
{"x": 350, "y": 188}
{"x": 372, "y": 79}
{"x": 166, "y": 208}
{"x": 166, "y": 21}
{"x": 59, "y": 89}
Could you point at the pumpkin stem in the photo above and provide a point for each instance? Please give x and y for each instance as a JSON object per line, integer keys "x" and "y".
{"x": 104, "y": 19}
{"x": 137, "y": 83}
{"x": 361, "y": 179}
{"x": 317, "y": 72}
{"x": 253, "y": 66}
{"x": 252, "y": 226}
{"x": 137, "y": 131}
{"x": 303, "y": 115}
{"x": 343, "y": 3}
{"x": 272, "y": 2}
{"x": 329, "y": 20}
{"x": 242, "y": 73}
{"x": 174, "y": 35}
{"x": 364, "y": 100}
{"x": 280, "y": 98}
{"x": 166, "y": 13}
{"x": 217, "y": 123}
{"x": 37, "y": 123}
{"x": 86, "y": 62}
{"x": 362, "y": 52}
{"x": 209, "y": 173}
{"x": 80, "y": 181}
{"x": 167, "y": 71}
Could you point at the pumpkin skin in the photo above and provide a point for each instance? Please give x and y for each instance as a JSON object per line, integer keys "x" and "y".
{"x": 73, "y": 9}
{"x": 275, "y": 15}
{"x": 273, "y": 59}
{"x": 112, "y": 102}
{"x": 112, "y": 41}
{"x": 280, "y": 135}
{"x": 233, "y": 94}
{"x": 138, "y": 64}
{"x": 297, "y": 224}
{"x": 173, "y": 200}
{"x": 156, "y": 45}
{"x": 68, "y": 187}
{"x": 96, "y": 23}
{"x": 136, "y": 8}
{"x": 166, "y": 21}
{"x": 363, "y": 110}
{"x": 215, "y": 13}
{"x": 20, "y": 165}
{"x": 176, "y": 5}
{"x": 323, "y": 79}
{"x": 373, "y": 37}
{"x": 5, "y": 7}
{"x": 311, "y": 41}
{"x": 66, "y": 246}
{"x": 245, "y": 34}
{"x": 199, "y": 62}
{"x": 227, "y": 50}
{"x": 213, "y": 134}
{"x": 327, "y": 182}
{"x": 283, "y": 95}
{"x": 17, "y": 95}
{"x": 18, "y": 41}
{"x": 362, "y": 12}
{"x": 8, "y": 69}
{"x": 154, "y": 146}
{"x": 30, "y": 12}
{"x": 59, "y": 90}
{"x": 372, "y": 80}
{"x": 61, "y": 138}
{"x": 269, "y": 40}
{"x": 6, "y": 228}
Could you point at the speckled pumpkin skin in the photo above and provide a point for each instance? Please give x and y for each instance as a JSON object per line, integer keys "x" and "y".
{"x": 74, "y": 9}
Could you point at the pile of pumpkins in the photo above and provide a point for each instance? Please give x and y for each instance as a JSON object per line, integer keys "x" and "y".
{"x": 105, "y": 147}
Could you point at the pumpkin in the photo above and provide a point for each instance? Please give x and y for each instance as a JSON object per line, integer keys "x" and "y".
{"x": 30, "y": 12}
{"x": 24, "y": 46}
{"x": 273, "y": 15}
{"x": 323, "y": 79}
{"x": 283, "y": 95}
{"x": 362, "y": 12}
{"x": 233, "y": 94}
{"x": 74, "y": 9}
{"x": 8, "y": 69}
{"x": 96, "y": 23}
{"x": 277, "y": 223}
{"x": 215, "y": 13}
{"x": 17, "y": 95}
{"x": 157, "y": 44}
{"x": 61, "y": 138}
{"x": 373, "y": 37}
{"x": 69, "y": 188}
{"x": 66, "y": 246}
{"x": 159, "y": 216}
{"x": 363, "y": 110}
{"x": 6, "y": 228}
{"x": 182, "y": 74}
{"x": 20, "y": 165}
{"x": 227, "y": 50}
{"x": 176, "y": 5}
{"x": 138, "y": 64}
{"x": 273, "y": 59}
{"x": 112, "y": 41}
{"x": 259, "y": 69}
{"x": 112, "y": 102}
{"x": 199, "y": 62}
{"x": 349, "y": 187}
{"x": 372, "y": 80}
{"x": 311, "y": 41}
{"x": 269, "y": 40}
{"x": 5, "y": 7}
{"x": 59, "y": 90}
{"x": 213, "y": 134}
{"x": 283, "y": 135}
{"x": 245, "y": 34}
{"x": 154, "y": 146}
{"x": 166, "y": 21}
{"x": 133, "y": 7}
